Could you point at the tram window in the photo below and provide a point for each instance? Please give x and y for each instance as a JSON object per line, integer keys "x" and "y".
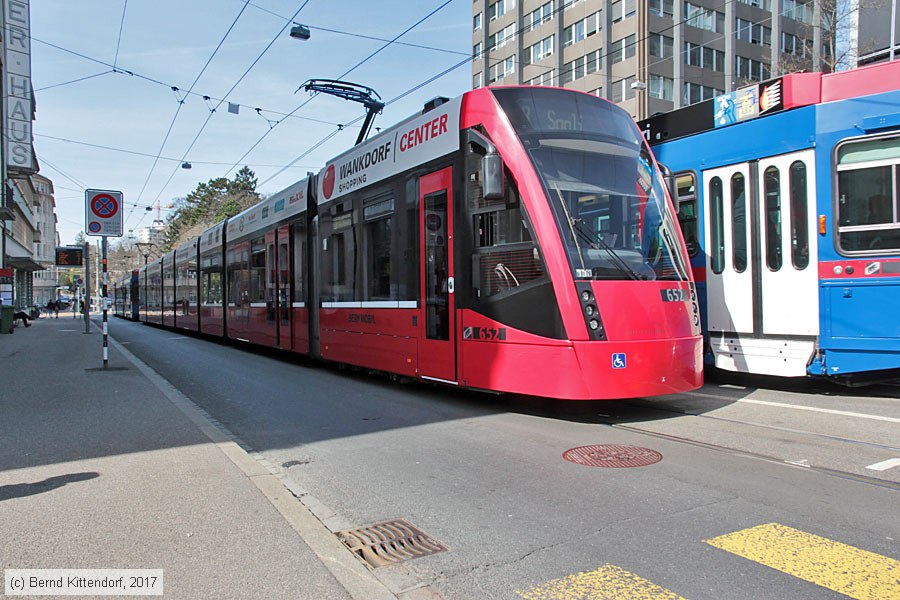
{"x": 739, "y": 222}
{"x": 211, "y": 281}
{"x": 299, "y": 260}
{"x": 258, "y": 270}
{"x": 868, "y": 195}
{"x": 686, "y": 201}
{"x": 772, "y": 191}
{"x": 716, "y": 225}
{"x": 378, "y": 263}
{"x": 799, "y": 217}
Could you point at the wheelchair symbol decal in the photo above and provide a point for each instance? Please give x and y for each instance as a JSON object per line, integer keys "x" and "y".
{"x": 619, "y": 361}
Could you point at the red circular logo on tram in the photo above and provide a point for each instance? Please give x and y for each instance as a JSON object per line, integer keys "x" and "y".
{"x": 328, "y": 182}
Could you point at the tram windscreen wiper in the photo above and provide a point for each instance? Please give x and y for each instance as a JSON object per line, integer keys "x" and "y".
{"x": 595, "y": 240}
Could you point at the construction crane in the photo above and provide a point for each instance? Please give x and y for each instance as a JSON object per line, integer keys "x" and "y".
{"x": 349, "y": 91}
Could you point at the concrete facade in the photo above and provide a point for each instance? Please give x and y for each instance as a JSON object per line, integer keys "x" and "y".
{"x": 648, "y": 56}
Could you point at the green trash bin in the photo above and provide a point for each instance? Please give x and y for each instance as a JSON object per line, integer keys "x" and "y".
{"x": 6, "y": 318}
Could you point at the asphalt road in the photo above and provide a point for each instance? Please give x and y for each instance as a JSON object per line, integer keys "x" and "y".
{"x": 485, "y": 477}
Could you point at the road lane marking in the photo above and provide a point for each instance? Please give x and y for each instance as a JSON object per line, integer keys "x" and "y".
{"x": 609, "y": 582}
{"x": 829, "y": 411}
{"x": 885, "y": 464}
{"x": 844, "y": 569}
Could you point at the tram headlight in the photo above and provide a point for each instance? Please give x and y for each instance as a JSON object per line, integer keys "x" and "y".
{"x": 586, "y": 296}
{"x": 594, "y": 324}
{"x": 590, "y": 310}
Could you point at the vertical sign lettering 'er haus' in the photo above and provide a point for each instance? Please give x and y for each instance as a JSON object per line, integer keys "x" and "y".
{"x": 19, "y": 94}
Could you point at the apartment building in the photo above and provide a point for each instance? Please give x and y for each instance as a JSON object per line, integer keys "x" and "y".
{"x": 46, "y": 240}
{"x": 648, "y": 56}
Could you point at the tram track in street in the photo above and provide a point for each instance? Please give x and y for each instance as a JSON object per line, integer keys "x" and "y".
{"x": 617, "y": 423}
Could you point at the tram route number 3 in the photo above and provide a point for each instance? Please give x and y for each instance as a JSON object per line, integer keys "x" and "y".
{"x": 675, "y": 295}
{"x": 489, "y": 334}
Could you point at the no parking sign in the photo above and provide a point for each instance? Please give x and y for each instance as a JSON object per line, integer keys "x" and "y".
{"x": 103, "y": 213}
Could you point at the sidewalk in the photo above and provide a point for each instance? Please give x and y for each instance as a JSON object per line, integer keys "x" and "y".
{"x": 108, "y": 469}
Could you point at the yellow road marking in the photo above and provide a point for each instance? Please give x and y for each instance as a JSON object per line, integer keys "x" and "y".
{"x": 847, "y": 570}
{"x": 609, "y": 582}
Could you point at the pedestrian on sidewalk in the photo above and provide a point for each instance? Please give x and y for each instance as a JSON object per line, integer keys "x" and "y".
{"x": 22, "y": 315}
{"x": 57, "y": 304}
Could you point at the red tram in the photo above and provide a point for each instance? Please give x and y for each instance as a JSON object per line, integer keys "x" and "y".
{"x": 514, "y": 239}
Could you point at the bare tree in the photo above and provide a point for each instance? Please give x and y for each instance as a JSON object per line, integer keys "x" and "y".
{"x": 829, "y": 41}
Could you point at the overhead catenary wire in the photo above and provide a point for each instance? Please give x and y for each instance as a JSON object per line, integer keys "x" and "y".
{"x": 121, "y": 28}
{"x": 236, "y": 83}
{"x": 347, "y": 72}
{"x": 181, "y": 103}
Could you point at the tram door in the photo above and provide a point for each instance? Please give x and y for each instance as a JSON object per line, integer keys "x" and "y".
{"x": 762, "y": 282}
{"x": 437, "y": 331}
{"x": 283, "y": 291}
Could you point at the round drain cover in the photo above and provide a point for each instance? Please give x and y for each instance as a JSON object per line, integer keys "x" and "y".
{"x": 612, "y": 456}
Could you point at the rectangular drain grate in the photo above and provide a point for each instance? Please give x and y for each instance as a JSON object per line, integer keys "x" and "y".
{"x": 390, "y": 542}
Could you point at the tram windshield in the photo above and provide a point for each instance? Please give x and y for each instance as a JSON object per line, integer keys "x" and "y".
{"x": 601, "y": 182}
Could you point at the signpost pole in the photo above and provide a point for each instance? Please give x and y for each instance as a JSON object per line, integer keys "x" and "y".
{"x": 105, "y": 318}
{"x": 87, "y": 287}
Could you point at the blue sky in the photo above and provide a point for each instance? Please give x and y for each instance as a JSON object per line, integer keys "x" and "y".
{"x": 167, "y": 43}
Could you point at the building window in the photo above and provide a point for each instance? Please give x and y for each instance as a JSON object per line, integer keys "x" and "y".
{"x": 662, "y": 8}
{"x": 704, "y": 18}
{"x": 540, "y": 16}
{"x": 704, "y": 57}
{"x": 661, "y": 45}
{"x": 476, "y": 22}
{"x": 500, "y": 8}
{"x": 476, "y": 51}
{"x": 662, "y": 88}
{"x": 694, "y": 92}
{"x": 502, "y": 37}
{"x": 478, "y": 80}
{"x": 538, "y": 51}
{"x": 621, "y": 90}
{"x": 750, "y": 69}
{"x": 622, "y": 49}
{"x": 502, "y": 69}
{"x": 582, "y": 29}
{"x": 753, "y": 33}
{"x": 581, "y": 66}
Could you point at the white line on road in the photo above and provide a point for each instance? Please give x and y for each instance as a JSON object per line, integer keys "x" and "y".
{"x": 181, "y": 337}
{"x": 885, "y": 465}
{"x": 829, "y": 411}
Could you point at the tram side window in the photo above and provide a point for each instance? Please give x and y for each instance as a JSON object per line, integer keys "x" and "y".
{"x": 799, "y": 216}
{"x": 211, "y": 282}
{"x": 258, "y": 270}
{"x": 772, "y": 191}
{"x": 739, "y": 222}
{"x": 378, "y": 214}
{"x": 239, "y": 275}
{"x": 868, "y": 195}
{"x": 686, "y": 201}
{"x": 506, "y": 256}
{"x": 299, "y": 261}
{"x": 340, "y": 254}
{"x": 716, "y": 225}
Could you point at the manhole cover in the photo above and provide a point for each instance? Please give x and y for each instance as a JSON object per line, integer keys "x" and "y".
{"x": 389, "y": 542}
{"x": 612, "y": 456}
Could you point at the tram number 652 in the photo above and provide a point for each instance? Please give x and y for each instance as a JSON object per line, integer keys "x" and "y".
{"x": 675, "y": 295}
